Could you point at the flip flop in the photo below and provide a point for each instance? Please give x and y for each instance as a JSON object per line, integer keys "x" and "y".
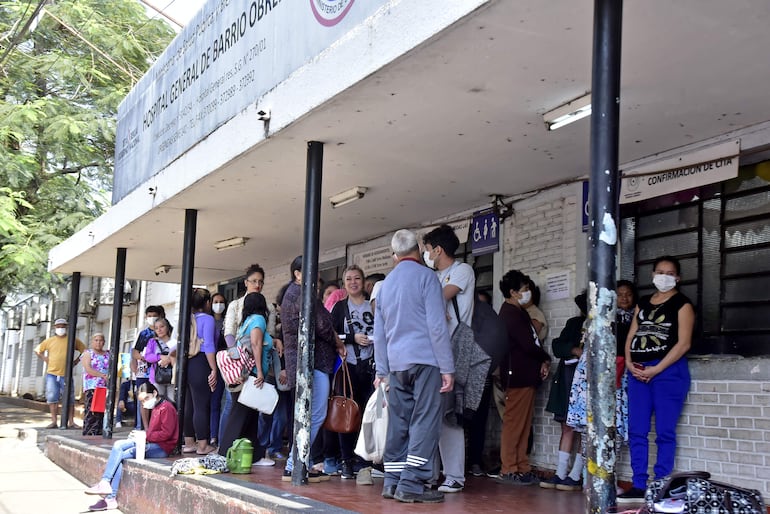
{"x": 188, "y": 449}
{"x": 53, "y": 425}
{"x": 210, "y": 449}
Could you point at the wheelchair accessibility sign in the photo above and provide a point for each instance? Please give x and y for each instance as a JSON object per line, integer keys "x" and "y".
{"x": 485, "y": 232}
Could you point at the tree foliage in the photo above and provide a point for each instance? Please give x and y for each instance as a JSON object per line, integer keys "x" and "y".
{"x": 64, "y": 68}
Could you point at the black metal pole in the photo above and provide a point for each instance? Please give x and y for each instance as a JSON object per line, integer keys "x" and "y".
{"x": 71, "y": 333}
{"x": 306, "y": 341}
{"x": 117, "y": 322}
{"x": 185, "y": 312}
{"x": 603, "y": 219}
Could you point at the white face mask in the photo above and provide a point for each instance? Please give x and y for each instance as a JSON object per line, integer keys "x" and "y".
{"x": 428, "y": 261}
{"x": 150, "y": 403}
{"x": 218, "y": 308}
{"x": 664, "y": 283}
{"x": 151, "y": 321}
{"x": 526, "y": 296}
{"x": 60, "y": 331}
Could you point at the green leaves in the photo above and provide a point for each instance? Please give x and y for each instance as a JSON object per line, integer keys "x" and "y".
{"x": 59, "y": 95}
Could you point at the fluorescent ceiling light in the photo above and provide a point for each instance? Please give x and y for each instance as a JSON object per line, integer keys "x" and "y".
{"x": 233, "y": 242}
{"x": 347, "y": 196}
{"x": 565, "y": 114}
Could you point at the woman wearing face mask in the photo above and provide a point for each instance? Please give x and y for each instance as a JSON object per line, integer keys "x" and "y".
{"x": 218, "y": 308}
{"x": 96, "y": 365}
{"x": 521, "y": 371}
{"x": 658, "y": 377}
{"x": 162, "y": 435}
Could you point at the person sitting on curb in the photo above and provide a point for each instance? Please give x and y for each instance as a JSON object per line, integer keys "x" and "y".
{"x": 162, "y": 436}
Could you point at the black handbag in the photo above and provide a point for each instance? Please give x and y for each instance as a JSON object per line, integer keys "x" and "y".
{"x": 164, "y": 375}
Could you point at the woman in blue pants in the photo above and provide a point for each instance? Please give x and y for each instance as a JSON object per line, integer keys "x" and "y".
{"x": 658, "y": 376}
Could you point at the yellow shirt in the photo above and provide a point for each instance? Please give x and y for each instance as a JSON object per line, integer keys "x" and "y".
{"x": 56, "y": 346}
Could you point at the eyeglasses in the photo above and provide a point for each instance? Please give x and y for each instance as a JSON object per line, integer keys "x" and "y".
{"x": 256, "y": 282}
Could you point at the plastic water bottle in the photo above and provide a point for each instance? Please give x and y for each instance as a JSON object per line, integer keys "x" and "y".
{"x": 140, "y": 438}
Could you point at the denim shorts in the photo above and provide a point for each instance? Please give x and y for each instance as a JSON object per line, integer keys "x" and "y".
{"x": 54, "y": 387}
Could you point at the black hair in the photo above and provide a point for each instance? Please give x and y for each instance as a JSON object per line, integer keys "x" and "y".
{"x": 254, "y": 303}
{"x": 487, "y": 297}
{"x": 254, "y": 268}
{"x": 535, "y": 292}
{"x": 326, "y": 286}
{"x": 375, "y": 277}
{"x": 581, "y": 301}
{"x": 281, "y": 293}
{"x": 512, "y": 281}
{"x": 630, "y": 285}
{"x": 296, "y": 265}
{"x": 199, "y": 298}
{"x": 443, "y": 236}
{"x": 219, "y": 294}
{"x": 668, "y": 258}
{"x": 157, "y": 309}
{"x": 148, "y": 388}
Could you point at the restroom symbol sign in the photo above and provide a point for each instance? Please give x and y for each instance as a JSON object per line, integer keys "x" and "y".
{"x": 485, "y": 232}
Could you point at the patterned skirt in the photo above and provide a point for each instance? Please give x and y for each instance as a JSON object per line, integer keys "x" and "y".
{"x": 92, "y": 421}
{"x": 577, "y": 417}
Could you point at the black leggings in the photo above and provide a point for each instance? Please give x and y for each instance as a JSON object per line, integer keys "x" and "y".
{"x": 197, "y": 407}
{"x": 242, "y": 422}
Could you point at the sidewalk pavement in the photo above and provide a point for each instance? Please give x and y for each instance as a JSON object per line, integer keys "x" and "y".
{"x": 29, "y": 482}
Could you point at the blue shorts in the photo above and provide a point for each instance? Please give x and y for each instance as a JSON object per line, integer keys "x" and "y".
{"x": 54, "y": 387}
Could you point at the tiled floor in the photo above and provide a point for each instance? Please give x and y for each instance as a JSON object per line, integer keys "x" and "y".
{"x": 481, "y": 495}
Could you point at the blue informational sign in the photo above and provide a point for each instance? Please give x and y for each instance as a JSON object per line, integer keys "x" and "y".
{"x": 485, "y": 232}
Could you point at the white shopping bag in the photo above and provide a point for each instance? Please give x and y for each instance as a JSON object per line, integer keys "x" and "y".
{"x": 374, "y": 427}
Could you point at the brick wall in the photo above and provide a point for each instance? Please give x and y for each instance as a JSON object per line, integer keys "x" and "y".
{"x": 725, "y": 426}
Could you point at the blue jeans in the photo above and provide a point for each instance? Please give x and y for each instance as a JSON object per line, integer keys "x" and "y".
{"x": 54, "y": 389}
{"x": 138, "y": 382}
{"x": 664, "y": 395}
{"x": 319, "y": 402}
{"x": 121, "y": 451}
{"x": 271, "y": 427}
{"x": 226, "y": 409}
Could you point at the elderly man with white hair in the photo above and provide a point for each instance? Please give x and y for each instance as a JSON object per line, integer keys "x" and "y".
{"x": 413, "y": 353}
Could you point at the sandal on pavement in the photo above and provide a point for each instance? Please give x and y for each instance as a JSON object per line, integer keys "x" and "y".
{"x": 53, "y": 425}
{"x": 189, "y": 449}
{"x": 207, "y": 450}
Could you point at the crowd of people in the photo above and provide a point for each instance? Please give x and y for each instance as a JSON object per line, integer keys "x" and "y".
{"x": 409, "y": 330}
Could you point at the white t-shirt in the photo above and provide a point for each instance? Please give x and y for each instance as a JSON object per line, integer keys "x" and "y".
{"x": 460, "y": 275}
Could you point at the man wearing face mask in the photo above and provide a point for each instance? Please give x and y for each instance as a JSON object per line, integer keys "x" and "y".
{"x": 139, "y": 366}
{"x": 458, "y": 283}
{"x": 53, "y": 351}
{"x": 658, "y": 376}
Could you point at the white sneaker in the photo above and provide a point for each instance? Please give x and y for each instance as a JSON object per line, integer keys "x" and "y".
{"x": 118, "y": 425}
{"x": 264, "y": 462}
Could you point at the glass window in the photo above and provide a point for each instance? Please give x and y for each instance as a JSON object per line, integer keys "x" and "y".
{"x": 722, "y": 239}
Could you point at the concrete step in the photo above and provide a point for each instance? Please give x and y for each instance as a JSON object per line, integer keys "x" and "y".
{"x": 147, "y": 486}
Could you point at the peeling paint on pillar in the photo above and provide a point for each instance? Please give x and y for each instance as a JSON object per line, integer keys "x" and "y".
{"x": 303, "y": 402}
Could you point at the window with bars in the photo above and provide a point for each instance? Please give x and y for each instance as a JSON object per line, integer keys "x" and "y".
{"x": 721, "y": 234}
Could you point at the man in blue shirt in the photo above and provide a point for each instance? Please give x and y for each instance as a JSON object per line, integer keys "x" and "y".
{"x": 413, "y": 354}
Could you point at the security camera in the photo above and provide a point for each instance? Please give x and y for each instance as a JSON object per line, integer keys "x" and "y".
{"x": 263, "y": 114}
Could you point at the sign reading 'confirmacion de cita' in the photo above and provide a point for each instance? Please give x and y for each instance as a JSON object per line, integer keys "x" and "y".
{"x": 706, "y": 166}
{"x": 227, "y": 57}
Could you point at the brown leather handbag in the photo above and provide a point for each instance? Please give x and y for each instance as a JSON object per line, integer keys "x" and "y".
{"x": 343, "y": 415}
